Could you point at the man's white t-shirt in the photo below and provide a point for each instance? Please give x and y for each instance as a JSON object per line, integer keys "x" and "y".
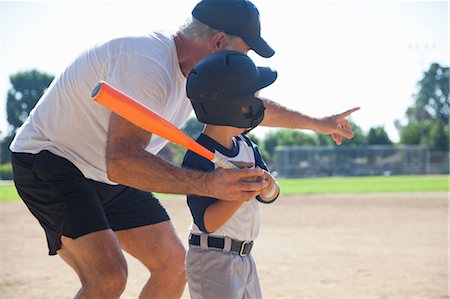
{"x": 68, "y": 123}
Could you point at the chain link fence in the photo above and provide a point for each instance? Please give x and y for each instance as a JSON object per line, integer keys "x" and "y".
{"x": 318, "y": 161}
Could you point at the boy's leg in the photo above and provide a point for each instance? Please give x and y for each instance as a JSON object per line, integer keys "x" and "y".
{"x": 158, "y": 247}
{"x": 252, "y": 287}
{"x": 215, "y": 274}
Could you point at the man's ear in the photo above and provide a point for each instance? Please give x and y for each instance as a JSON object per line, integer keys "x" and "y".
{"x": 218, "y": 41}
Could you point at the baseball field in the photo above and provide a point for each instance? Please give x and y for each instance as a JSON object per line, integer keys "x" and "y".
{"x": 336, "y": 244}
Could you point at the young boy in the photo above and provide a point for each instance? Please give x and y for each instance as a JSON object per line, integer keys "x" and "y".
{"x": 222, "y": 90}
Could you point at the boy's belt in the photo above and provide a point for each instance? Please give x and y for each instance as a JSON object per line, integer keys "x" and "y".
{"x": 239, "y": 247}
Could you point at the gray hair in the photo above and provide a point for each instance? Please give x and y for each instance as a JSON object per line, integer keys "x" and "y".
{"x": 199, "y": 32}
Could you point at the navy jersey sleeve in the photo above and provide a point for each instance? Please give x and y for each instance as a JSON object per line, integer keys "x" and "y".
{"x": 258, "y": 159}
{"x": 198, "y": 204}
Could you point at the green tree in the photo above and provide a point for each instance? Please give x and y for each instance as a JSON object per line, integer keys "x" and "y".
{"x": 414, "y": 132}
{"x": 324, "y": 140}
{"x": 428, "y": 117}
{"x": 433, "y": 95}
{"x": 287, "y": 137}
{"x": 378, "y": 136}
{"x": 438, "y": 137}
{"x": 27, "y": 88}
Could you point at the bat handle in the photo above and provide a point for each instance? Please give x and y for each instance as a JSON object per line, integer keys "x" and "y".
{"x": 225, "y": 164}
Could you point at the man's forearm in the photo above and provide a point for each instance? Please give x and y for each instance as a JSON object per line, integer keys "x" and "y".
{"x": 147, "y": 172}
{"x": 277, "y": 115}
{"x": 128, "y": 163}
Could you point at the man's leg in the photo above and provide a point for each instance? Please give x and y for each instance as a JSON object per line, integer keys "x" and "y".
{"x": 158, "y": 247}
{"x": 99, "y": 263}
{"x": 69, "y": 208}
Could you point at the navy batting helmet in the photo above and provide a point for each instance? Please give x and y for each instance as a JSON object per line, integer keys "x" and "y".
{"x": 222, "y": 83}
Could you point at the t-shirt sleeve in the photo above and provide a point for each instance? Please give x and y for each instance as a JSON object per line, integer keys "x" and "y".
{"x": 198, "y": 204}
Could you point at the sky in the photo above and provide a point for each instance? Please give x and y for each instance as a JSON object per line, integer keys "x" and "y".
{"x": 330, "y": 55}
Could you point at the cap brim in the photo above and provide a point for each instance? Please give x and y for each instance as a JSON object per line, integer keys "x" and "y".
{"x": 266, "y": 77}
{"x": 259, "y": 46}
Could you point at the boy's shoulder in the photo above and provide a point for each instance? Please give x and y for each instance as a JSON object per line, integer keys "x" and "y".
{"x": 195, "y": 161}
{"x": 259, "y": 161}
{"x": 247, "y": 140}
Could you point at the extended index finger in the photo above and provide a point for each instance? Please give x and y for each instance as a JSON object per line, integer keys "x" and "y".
{"x": 347, "y": 113}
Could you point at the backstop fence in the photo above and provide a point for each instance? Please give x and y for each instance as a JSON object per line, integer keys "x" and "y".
{"x": 318, "y": 161}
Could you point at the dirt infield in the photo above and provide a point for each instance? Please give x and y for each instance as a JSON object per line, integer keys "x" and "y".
{"x": 345, "y": 246}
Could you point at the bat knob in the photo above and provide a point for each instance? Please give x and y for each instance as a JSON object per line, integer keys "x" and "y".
{"x": 96, "y": 89}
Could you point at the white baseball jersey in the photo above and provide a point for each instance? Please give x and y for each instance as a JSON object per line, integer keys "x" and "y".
{"x": 244, "y": 224}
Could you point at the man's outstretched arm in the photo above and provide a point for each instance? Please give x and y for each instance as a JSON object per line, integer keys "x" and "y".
{"x": 336, "y": 125}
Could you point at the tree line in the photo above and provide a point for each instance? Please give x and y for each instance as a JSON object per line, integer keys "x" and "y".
{"x": 427, "y": 118}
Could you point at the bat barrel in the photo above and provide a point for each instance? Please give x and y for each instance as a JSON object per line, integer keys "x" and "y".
{"x": 143, "y": 117}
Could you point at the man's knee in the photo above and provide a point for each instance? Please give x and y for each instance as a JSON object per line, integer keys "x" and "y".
{"x": 174, "y": 272}
{"x": 99, "y": 263}
{"x": 173, "y": 263}
{"x": 108, "y": 284}
{"x": 116, "y": 281}
{"x": 177, "y": 261}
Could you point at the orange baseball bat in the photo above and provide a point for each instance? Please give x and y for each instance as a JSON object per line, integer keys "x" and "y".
{"x": 145, "y": 118}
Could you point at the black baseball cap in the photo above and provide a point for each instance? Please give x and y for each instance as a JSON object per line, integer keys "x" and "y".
{"x": 236, "y": 17}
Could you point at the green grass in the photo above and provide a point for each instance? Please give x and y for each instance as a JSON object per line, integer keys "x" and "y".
{"x": 8, "y": 192}
{"x": 333, "y": 185}
{"x": 364, "y": 184}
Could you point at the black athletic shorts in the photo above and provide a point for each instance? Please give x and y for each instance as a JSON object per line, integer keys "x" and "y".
{"x": 66, "y": 203}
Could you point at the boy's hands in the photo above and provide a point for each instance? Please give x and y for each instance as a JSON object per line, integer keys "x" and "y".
{"x": 234, "y": 184}
{"x": 253, "y": 185}
{"x": 269, "y": 194}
